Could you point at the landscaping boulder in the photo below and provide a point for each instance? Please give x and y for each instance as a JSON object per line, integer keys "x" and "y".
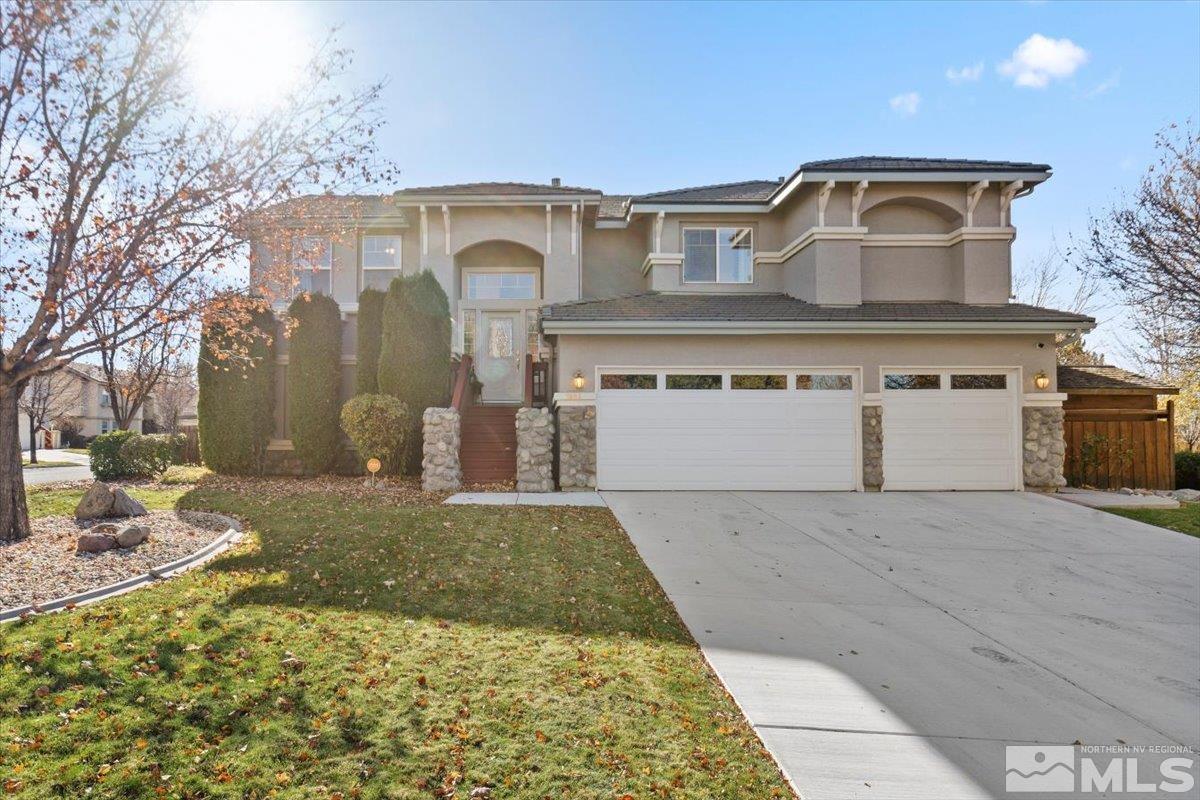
{"x": 1187, "y": 495}
{"x": 126, "y": 506}
{"x": 109, "y": 528}
{"x": 132, "y": 535}
{"x": 94, "y": 542}
{"x": 96, "y": 502}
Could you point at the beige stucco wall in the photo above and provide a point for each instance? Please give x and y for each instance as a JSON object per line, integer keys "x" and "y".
{"x": 613, "y": 258}
{"x": 869, "y": 351}
{"x": 907, "y": 273}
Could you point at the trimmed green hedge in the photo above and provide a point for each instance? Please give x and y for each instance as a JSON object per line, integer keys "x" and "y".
{"x": 149, "y": 456}
{"x": 376, "y": 423}
{"x": 236, "y": 406}
{"x": 414, "y": 360}
{"x": 370, "y": 339}
{"x": 1187, "y": 470}
{"x": 105, "y": 453}
{"x": 314, "y": 381}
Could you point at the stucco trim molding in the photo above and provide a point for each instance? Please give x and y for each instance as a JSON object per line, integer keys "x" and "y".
{"x": 661, "y": 260}
{"x": 1043, "y": 399}
{"x": 561, "y": 399}
{"x": 1002, "y": 234}
{"x": 814, "y": 234}
{"x": 872, "y": 398}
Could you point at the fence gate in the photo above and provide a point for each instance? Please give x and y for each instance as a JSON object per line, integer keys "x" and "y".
{"x": 1110, "y": 450}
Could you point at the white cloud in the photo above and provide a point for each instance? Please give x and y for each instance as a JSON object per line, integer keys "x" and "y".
{"x": 906, "y": 103}
{"x": 1106, "y": 85}
{"x": 971, "y": 72}
{"x": 1040, "y": 59}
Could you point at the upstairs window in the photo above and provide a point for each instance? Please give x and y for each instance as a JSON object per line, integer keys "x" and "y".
{"x": 312, "y": 264}
{"x": 501, "y": 286}
{"x": 718, "y": 255}
{"x": 380, "y": 261}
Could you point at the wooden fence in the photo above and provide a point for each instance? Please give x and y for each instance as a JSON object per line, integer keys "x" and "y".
{"x": 1115, "y": 448}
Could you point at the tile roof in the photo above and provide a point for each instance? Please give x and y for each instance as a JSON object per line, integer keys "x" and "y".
{"x": 1104, "y": 376}
{"x": 612, "y": 206}
{"x": 884, "y": 163}
{"x": 741, "y": 191}
{"x": 497, "y": 187}
{"x": 654, "y": 306}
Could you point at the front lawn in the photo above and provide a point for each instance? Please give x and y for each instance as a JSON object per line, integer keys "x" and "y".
{"x": 26, "y": 465}
{"x": 1185, "y": 519}
{"x": 376, "y": 646}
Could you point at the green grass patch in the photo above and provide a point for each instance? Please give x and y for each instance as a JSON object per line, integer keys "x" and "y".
{"x": 180, "y": 474}
{"x": 1185, "y": 519}
{"x": 62, "y": 502}
{"x": 42, "y": 464}
{"x": 360, "y": 648}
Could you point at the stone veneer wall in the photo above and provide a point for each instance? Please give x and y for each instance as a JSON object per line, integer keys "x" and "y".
{"x": 1044, "y": 448}
{"x": 872, "y": 447}
{"x": 440, "y": 470}
{"x": 535, "y": 450}
{"x": 577, "y": 447}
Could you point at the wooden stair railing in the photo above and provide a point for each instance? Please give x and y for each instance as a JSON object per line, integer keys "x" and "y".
{"x": 462, "y": 384}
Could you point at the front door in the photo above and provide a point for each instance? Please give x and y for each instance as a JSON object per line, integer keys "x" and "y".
{"x": 500, "y": 352}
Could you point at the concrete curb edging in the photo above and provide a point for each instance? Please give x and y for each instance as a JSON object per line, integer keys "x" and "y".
{"x": 231, "y": 536}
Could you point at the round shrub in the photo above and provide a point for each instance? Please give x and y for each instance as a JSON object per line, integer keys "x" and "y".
{"x": 377, "y": 423}
{"x": 370, "y": 339}
{"x": 314, "y": 380}
{"x": 414, "y": 360}
{"x": 236, "y": 406}
{"x": 1187, "y": 470}
{"x": 105, "y": 452}
{"x": 149, "y": 456}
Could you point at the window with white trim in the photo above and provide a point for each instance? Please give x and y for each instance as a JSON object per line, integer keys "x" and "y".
{"x": 718, "y": 255}
{"x": 312, "y": 264}
{"x": 501, "y": 286}
{"x": 108, "y": 425}
{"x": 380, "y": 261}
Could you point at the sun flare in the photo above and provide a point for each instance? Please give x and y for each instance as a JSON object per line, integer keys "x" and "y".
{"x": 244, "y": 55}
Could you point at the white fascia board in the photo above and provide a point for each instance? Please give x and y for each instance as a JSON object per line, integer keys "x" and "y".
{"x": 720, "y": 328}
{"x": 700, "y": 208}
{"x": 498, "y": 199}
{"x": 902, "y": 176}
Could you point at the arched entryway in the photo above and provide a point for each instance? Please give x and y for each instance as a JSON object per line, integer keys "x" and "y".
{"x": 499, "y": 286}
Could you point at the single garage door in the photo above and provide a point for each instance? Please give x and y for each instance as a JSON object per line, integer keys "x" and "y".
{"x": 727, "y": 429}
{"x": 951, "y": 429}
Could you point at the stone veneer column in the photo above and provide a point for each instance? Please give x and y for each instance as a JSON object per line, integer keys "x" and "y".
{"x": 872, "y": 447}
{"x": 535, "y": 450}
{"x": 577, "y": 447}
{"x": 1044, "y": 449}
{"x": 440, "y": 470}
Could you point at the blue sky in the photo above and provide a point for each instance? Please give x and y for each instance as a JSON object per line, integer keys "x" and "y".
{"x": 641, "y": 97}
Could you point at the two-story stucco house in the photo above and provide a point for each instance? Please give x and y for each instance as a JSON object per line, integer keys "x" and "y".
{"x": 846, "y": 327}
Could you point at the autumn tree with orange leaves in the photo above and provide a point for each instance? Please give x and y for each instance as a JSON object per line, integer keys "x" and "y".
{"x": 124, "y": 203}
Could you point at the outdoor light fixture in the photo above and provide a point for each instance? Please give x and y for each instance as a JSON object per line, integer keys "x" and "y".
{"x": 577, "y": 381}
{"x": 1041, "y": 380}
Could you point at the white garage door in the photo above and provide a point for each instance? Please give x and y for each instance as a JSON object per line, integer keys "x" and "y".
{"x": 730, "y": 429}
{"x": 951, "y": 429}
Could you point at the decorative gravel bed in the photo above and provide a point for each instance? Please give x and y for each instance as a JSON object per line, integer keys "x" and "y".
{"x": 45, "y": 566}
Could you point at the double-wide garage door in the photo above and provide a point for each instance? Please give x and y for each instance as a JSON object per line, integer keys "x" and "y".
{"x": 727, "y": 429}
{"x": 798, "y": 429}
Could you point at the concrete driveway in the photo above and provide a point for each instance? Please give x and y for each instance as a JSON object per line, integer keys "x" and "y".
{"x": 80, "y": 472}
{"x": 891, "y": 645}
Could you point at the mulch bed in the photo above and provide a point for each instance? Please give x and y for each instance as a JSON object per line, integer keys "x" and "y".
{"x": 45, "y": 566}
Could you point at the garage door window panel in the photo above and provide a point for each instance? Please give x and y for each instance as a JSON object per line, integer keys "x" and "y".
{"x": 904, "y": 382}
{"x": 985, "y": 382}
{"x": 694, "y": 382}
{"x": 624, "y": 381}
{"x": 825, "y": 383}
{"x": 757, "y": 382}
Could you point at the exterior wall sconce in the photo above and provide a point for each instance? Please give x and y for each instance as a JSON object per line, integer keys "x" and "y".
{"x": 577, "y": 381}
{"x": 1041, "y": 380}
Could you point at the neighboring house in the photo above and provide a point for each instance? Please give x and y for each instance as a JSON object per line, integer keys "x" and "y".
{"x": 1116, "y": 434}
{"x": 845, "y": 327}
{"x": 92, "y": 412}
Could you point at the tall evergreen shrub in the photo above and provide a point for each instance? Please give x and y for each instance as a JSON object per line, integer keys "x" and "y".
{"x": 414, "y": 360}
{"x": 236, "y": 406}
{"x": 314, "y": 380}
{"x": 370, "y": 339}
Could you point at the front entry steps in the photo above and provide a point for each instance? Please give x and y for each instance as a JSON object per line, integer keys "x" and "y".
{"x": 488, "y": 452}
